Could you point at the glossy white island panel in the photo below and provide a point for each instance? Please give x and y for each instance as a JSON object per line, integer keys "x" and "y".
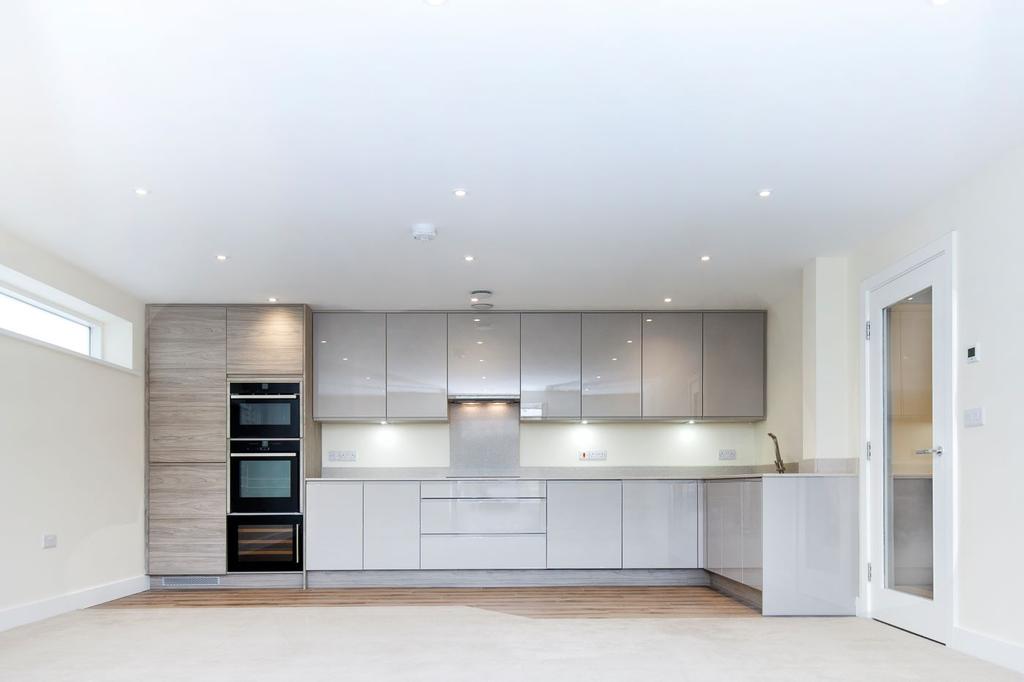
{"x": 810, "y": 545}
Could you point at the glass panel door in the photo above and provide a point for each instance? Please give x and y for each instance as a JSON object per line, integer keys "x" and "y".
{"x": 908, "y": 452}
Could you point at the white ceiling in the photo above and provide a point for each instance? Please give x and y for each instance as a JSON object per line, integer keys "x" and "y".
{"x": 605, "y": 145}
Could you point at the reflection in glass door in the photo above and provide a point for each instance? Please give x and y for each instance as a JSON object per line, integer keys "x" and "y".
{"x": 908, "y": 450}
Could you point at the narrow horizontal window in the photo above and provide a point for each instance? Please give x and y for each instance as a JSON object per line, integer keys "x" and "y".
{"x": 40, "y": 323}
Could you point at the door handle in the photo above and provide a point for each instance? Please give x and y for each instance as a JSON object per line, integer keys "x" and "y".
{"x": 937, "y": 450}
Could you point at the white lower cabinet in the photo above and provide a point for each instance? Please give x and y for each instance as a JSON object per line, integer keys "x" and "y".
{"x": 334, "y": 526}
{"x": 482, "y": 551}
{"x": 584, "y": 524}
{"x": 391, "y": 523}
{"x": 660, "y": 524}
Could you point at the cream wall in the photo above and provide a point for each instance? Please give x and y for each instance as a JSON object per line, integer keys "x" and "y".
{"x": 785, "y": 377}
{"x": 988, "y": 214}
{"x": 72, "y": 459}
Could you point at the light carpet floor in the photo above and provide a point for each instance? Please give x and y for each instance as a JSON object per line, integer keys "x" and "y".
{"x": 456, "y": 643}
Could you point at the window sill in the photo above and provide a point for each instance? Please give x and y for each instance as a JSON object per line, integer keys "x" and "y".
{"x": 65, "y": 351}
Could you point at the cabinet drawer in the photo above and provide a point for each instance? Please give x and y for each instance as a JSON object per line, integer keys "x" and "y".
{"x": 185, "y": 546}
{"x": 482, "y": 551}
{"x": 483, "y": 516}
{"x": 456, "y": 489}
{"x": 187, "y": 491}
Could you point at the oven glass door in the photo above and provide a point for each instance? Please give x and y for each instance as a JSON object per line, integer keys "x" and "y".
{"x": 265, "y": 543}
{"x": 264, "y": 484}
{"x": 265, "y": 417}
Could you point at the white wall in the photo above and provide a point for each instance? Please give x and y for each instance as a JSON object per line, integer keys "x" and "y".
{"x": 72, "y": 459}
{"x": 988, "y": 214}
{"x": 785, "y": 376}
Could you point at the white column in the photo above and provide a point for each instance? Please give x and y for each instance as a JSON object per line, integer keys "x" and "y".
{"x": 826, "y": 347}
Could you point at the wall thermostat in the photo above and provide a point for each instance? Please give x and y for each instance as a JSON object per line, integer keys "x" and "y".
{"x": 972, "y": 353}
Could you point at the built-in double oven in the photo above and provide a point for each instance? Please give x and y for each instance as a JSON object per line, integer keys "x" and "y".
{"x": 265, "y": 478}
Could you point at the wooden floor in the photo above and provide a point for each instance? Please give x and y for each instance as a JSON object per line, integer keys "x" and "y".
{"x": 530, "y": 602}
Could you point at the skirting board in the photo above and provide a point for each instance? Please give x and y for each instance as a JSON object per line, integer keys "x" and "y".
{"x": 738, "y": 591}
{"x": 235, "y": 581}
{"x": 987, "y": 648}
{"x": 509, "y": 578}
{"x": 24, "y": 614}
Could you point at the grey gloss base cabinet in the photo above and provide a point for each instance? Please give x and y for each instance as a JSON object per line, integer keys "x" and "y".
{"x": 356, "y": 525}
{"x": 794, "y": 538}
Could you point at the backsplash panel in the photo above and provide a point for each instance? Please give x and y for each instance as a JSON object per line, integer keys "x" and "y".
{"x": 551, "y": 444}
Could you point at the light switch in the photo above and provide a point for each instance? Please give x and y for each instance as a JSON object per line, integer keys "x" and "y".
{"x": 726, "y": 454}
{"x": 974, "y": 416}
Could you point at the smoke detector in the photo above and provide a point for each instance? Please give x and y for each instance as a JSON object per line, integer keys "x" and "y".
{"x": 481, "y": 306}
{"x": 424, "y": 232}
{"x": 480, "y": 294}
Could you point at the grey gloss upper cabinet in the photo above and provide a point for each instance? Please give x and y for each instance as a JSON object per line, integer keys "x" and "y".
{"x": 349, "y": 366}
{"x": 417, "y": 366}
{"x": 266, "y": 339}
{"x": 734, "y": 365}
{"x": 550, "y": 366}
{"x": 672, "y": 365}
{"x": 483, "y": 355}
{"x": 611, "y": 365}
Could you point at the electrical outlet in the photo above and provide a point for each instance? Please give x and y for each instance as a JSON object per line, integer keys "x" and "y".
{"x": 726, "y": 454}
{"x": 341, "y": 455}
{"x": 593, "y": 455}
{"x": 974, "y": 416}
{"x": 49, "y": 541}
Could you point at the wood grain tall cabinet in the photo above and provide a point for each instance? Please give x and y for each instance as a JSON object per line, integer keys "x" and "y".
{"x": 187, "y": 418}
{"x": 192, "y": 350}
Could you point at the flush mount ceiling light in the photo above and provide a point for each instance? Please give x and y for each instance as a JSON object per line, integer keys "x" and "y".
{"x": 459, "y": 192}
{"x": 765, "y": 193}
{"x": 141, "y": 191}
{"x": 468, "y": 258}
{"x": 271, "y": 300}
{"x": 424, "y": 232}
{"x": 705, "y": 259}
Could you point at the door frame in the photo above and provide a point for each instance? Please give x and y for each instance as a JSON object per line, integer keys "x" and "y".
{"x": 944, "y": 246}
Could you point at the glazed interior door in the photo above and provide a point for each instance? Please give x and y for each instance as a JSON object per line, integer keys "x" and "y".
{"x": 910, "y": 469}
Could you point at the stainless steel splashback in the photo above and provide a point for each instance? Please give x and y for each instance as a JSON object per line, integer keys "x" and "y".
{"x": 484, "y": 438}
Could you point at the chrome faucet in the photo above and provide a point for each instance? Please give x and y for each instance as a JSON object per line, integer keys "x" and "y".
{"x": 780, "y": 467}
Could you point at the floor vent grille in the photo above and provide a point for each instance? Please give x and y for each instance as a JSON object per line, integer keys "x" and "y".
{"x": 190, "y": 581}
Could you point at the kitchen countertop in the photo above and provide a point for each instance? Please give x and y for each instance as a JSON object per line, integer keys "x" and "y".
{"x": 558, "y": 473}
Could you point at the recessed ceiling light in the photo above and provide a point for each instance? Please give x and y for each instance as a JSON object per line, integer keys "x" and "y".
{"x": 479, "y": 343}
{"x": 629, "y": 340}
{"x": 765, "y": 193}
{"x": 367, "y": 378}
{"x": 584, "y": 422}
{"x": 383, "y": 423}
{"x": 481, "y": 359}
{"x": 474, "y": 299}
{"x": 910, "y": 298}
{"x": 469, "y": 259}
{"x": 705, "y": 259}
{"x": 648, "y": 320}
{"x": 668, "y": 300}
{"x": 476, "y": 319}
{"x": 141, "y": 191}
{"x": 692, "y": 422}
{"x": 483, "y": 377}
{"x": 614, "y": 359}
{"x": 598, "y": 376}
{"x": 272, "y": 300}
{"x": 323, "y": 341}
{"x": 222, "y": 258}
{"x": 345, "y": 359}
{"x": 459, "y": 192}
